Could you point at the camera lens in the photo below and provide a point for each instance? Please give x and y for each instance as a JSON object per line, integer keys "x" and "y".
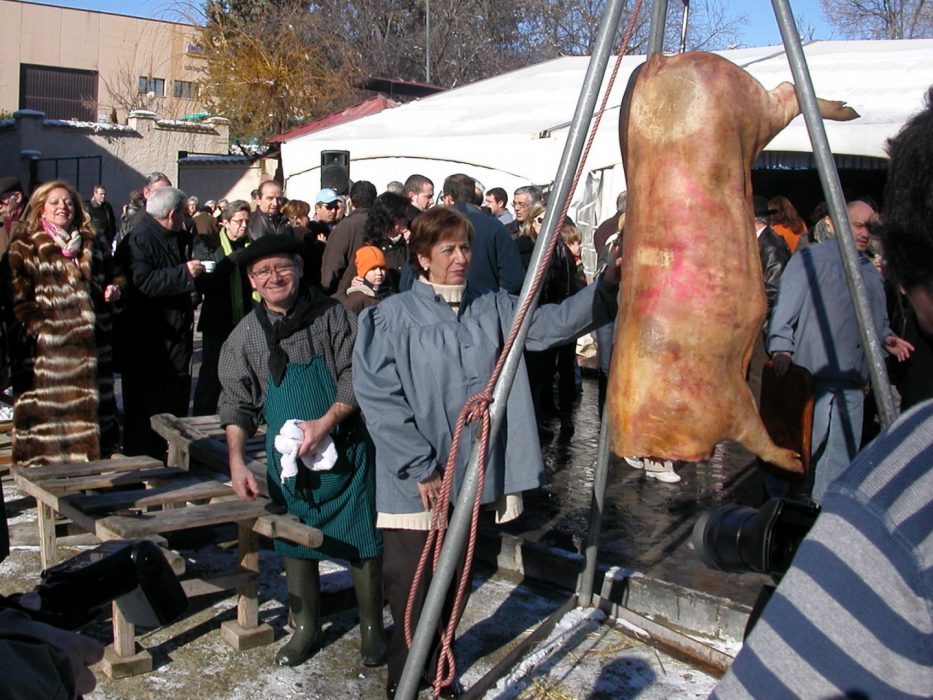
{"x": 720, "y": 538}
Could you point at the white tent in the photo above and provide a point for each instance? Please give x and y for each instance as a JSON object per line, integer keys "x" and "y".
{"x": 510, "y": 130}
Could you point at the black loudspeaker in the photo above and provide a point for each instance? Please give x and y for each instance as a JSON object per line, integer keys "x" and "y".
{"x": 335, "y": 171}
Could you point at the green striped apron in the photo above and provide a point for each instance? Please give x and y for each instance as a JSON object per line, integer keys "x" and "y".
{"x": 340, "y": 502}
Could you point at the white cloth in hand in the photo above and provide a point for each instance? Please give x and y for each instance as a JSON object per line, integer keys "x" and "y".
{"x": 287, "y": 443}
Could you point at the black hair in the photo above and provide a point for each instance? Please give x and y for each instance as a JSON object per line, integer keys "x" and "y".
{"x": 385, "y": 211}
{"x": 906, "y": 226}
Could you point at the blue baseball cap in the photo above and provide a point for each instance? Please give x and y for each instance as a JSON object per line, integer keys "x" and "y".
{"x": 325, "y": 196}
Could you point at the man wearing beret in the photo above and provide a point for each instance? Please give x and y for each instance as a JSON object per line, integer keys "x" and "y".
{"x": 288, "y": 361}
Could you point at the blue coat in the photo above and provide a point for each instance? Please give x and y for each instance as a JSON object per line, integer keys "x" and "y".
{"x": 814, "y": 316}
{"x": 415, "y": 364}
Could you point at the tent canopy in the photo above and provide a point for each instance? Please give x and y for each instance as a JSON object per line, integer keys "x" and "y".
{"x": 510, "y": 130}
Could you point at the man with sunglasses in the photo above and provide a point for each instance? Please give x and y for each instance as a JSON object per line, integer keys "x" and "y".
{"x": 268, "y": 219}
{"x": 326, "y": 204}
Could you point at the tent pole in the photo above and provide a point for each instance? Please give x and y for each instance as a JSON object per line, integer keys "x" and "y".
{"x": 458, "y": 529}
{"x": 829, "y": 178}
{"x": 658, "y": 25}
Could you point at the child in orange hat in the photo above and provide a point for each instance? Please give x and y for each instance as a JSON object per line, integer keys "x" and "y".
{"x": 370, "y": 286}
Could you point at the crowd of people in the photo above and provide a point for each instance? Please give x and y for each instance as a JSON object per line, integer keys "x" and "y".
{"x": 354, "y": 327}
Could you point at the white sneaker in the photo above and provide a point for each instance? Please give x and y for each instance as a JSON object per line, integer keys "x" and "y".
{"x": 661, "y": 471}
{"x": 634, "y": 462}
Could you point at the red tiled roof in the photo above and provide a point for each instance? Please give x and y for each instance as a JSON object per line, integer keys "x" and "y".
{"x": 373, "y": 105}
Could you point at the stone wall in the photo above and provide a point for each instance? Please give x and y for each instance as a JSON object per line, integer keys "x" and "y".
{"x": 37, "y": 149}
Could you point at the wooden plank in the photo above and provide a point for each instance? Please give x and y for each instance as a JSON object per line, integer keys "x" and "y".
{"x": 102, "y": 481}
{"x": 101, "y": 466}
{"x": 212, "y": 454}
{"x": 288, "y": 527}
{"x": 247, "y": 605}
{"x": 175, "y": 429}
{"x": 194, "y": 587}
{"x": 124, "y": 633}
{"x": 179, "y": 490}
{"x": 48, "y": 555}
{"x": 126, "y": 527}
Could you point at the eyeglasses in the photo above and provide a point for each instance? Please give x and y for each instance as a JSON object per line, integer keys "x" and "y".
{"x": 239, "y": 222}
{"x": 332, "y": 205}
{"x": 267, "y": 272}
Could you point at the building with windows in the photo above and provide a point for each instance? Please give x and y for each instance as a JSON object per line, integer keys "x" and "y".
{"x": 96, "y": 66}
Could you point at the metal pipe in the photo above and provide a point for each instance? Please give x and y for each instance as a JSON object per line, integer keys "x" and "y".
{"x": 591, "y": 546}
{"x": 458, "y": 528}
{"x": 658, "y": 25}
{"x": 683, "y": 26}
{"x": 832, "y": 188}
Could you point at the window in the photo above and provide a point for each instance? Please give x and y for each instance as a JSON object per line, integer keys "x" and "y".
{"x": 153, "y": 85}
{"x": 185, "y": 89}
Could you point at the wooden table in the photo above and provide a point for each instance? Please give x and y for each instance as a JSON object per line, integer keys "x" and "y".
{"x": 153, "y": 500}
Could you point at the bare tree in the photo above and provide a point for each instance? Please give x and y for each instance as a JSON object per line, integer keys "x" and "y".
{"x": 880, "y": 19}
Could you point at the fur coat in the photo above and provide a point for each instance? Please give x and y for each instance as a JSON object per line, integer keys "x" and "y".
{"x": 64, "y": 408}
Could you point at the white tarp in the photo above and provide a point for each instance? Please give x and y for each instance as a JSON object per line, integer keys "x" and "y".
{"x": 510, "y": 130}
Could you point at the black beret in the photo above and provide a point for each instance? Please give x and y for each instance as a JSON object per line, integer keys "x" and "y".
{"x": 272, "y": 244}
{"x": 10, "y": 184}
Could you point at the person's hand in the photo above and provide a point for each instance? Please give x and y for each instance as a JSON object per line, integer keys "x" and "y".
{"x": 781, "y": 362}
{"x": 612, "y": 275}
{"x": 430, "y": 490}
{"x": 314, "y": 432}
{"x": 357, "y": 282}
{"x": 112, "y": 293}
{"x": 195, "y": 267}
{"x": 82, "y": 651}
{"x": 898, "y": 347}
{"x": 244, "y": 483}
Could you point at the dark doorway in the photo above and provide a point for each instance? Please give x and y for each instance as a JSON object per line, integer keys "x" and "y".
{"x": 62, "y": 93}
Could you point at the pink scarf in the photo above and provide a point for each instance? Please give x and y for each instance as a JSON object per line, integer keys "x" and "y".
{"x": 70, "y": 243}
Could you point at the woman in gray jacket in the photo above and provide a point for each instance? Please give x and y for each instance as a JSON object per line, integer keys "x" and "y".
{"x": 418, "y": 357}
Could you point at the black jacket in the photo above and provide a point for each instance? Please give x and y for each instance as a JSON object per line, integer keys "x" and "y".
{"x": 159, "y": 315}
{"x": 774, "y": 256}
{"x": 216, "y": 316}
{"x": 264, "y": 225}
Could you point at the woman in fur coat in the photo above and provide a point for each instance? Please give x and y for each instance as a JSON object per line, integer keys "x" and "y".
{"x": 62, "y": 290}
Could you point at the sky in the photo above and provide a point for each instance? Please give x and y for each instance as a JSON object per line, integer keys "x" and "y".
{"x": 761, "y": 29}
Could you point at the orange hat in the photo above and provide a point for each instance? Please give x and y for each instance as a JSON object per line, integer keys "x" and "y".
{"x": 367, "y": 258}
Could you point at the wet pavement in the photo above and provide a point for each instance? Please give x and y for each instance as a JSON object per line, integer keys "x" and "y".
{"x": 646, "y": 524}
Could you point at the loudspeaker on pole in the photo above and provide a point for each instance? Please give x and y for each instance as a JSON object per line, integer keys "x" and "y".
{"x": 335, "y": 171}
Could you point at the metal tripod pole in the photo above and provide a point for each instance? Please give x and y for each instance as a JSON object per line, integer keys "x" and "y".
{"x": 458, "y": 529}
{"x": 829, "y": 178}
{"x": 586, "y": 580}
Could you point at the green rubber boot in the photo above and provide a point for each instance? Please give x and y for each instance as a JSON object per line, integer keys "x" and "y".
{"x": 304, "y": 602}
{"x": 367, "y": 582}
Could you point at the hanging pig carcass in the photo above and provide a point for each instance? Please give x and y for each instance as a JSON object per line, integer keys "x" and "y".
{"x": 692, "y": 296}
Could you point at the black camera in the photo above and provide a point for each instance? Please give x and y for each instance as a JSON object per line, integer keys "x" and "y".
{"x": 739, "y": 539}
{"x": 132, "y": 573}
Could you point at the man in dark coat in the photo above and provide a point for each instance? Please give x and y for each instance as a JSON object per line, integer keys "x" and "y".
{"x": 159, "y": 316}
{"x": 347, "y": 237}
{"x": 101, "y": 213}
{"x": 496, "y": 263}
{"x": 268, "y": 219}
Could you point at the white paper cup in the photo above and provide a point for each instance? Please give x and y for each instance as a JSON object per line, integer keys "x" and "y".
{"x": 209, "y": 265}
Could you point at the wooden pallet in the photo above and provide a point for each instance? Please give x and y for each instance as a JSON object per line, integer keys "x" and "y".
{"x": 152, "y": 500}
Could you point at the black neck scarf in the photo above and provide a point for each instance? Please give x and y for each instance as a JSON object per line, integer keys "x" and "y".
{"x": 308, "y": 307}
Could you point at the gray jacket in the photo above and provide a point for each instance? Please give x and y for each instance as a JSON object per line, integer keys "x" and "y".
{"x": 814, "y": 317}
{"x": 414, "y": 366}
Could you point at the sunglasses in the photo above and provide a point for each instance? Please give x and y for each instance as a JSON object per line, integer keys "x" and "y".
{"x": 332, "y": 205}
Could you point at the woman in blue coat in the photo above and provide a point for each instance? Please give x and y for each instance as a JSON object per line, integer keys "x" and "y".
{"x": 418, "y": 357}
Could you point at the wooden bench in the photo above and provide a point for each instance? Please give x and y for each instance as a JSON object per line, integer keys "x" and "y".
{"x": 154, "y": 500}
